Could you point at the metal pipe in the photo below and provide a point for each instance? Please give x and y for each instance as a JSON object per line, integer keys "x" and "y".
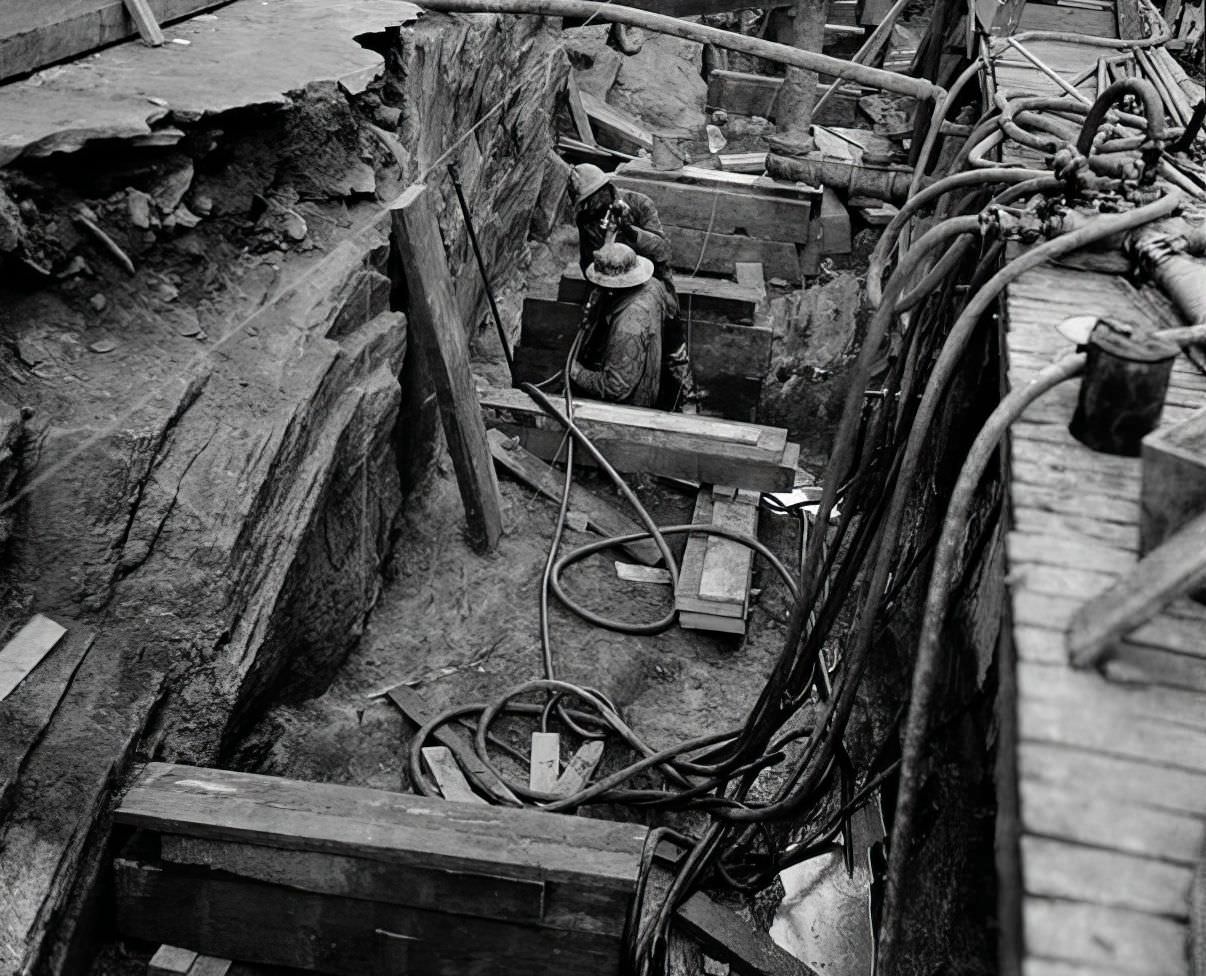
{"x": 701, "y": 34}
{"x": 481, "y": 265}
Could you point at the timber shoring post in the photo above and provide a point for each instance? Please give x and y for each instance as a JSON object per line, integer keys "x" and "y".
{"x": 437, "y": 329}
{"x": 700, "y": 33}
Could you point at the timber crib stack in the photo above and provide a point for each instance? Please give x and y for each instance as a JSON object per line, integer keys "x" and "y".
{"x": 350, "y": 881}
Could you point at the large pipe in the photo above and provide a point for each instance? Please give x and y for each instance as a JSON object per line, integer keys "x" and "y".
{"x": 756, "y": 47}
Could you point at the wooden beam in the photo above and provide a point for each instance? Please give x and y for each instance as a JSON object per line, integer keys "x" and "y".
{"x": 259, "y": 923}
{"x": 686, "y": 446}
{"x": 25, "y": 651}
{"x": 144, "y": 18}
{"x": 1173, "y": 569}
{"x": 577, "y": 111}
{"x": 723, "y": 210}
{"x": 603, "y": 516}
{"x": 835, "y": 224}
{"x": 440, "y": 334}
{"x": 713, "y": 253}
{"x": 742, "y": 93}
{"x": 414, "y": 708}
{"x": 729, "y": 939}
{"x": 34, "y": 35}
{"x": 699, "y": 299}
{"x": 350, "y": 860}
{"x": 617, "y": 129}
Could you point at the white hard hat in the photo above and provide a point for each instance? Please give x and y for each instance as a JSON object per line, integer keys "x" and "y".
{"x": 585, "y": 179}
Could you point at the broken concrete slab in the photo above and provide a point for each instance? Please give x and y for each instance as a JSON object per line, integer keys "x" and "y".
{"x": 131, "y": 89}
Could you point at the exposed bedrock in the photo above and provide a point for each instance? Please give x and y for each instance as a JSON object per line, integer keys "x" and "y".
{"x": 221, "y": 443}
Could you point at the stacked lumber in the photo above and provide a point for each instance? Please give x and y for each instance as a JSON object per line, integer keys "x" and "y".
{"x": 714, "y": 580}
{"x": 636, "y": 439}
{"x": 717, "y": 217}
{"x": 344, "y": 880}
{"x": 729, "y": 358}
{"x": 699, "y": 299}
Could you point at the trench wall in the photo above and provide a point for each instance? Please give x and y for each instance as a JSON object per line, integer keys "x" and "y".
{"x": 213, "y": 518}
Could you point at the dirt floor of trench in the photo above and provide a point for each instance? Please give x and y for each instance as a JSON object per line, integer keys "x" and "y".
{"x": 463, "y": 627}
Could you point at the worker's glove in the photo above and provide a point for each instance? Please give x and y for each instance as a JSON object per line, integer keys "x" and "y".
{"x": 575, "y": 371}
{"x": 621, "y": 214}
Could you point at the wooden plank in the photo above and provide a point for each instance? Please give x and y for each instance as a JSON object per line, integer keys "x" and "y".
{"x": 642, "y": 574}
{"x": 695, "y": 249}
{"x": 720, "y": 349}
{"x": 729, "y": 939}
{"x": 28, "y": 711}
{"x": 689, "y": 447}
{"x": 548, "y": 324}
{"x": 26, "y": 650}
{"x": 835, "y": 224}
{"x": 693, "y": 620}
{"x": 750, "y": 275}
{"x": 577, "y": 111}
{"x": 459, "y": 892}
{"x": 702, "y": 299}
{"x": 260, "y": 924}
{"x": 414, "y": 708}
{"x": 1111, "y": 824}
{"x": 210, "y": 966}
{"x": 448, "y": 776}
{"x": 391, "y": 828}
{"x": 144, "y": 19}
{"x": 1129, "y": 781}
{"x": 579, "y": 769}
{"x": 1167, "y": 743}
{"x": 545, "y": 761}
{"x": 1049, "y": 17}
{"x": 1174, "y": 568}
{"x": 34, "y": 35}
{"x": 170, "y": 960}
{"x": 727, "y": 564}
{"x": 616, "y": 129}
{"x": 1055, "y": 869}
{"x": 437, "y": 329}
{"x": 1133, "y": 942}
{"x": 603, "y": 516}
{"x": 724, "y": 211}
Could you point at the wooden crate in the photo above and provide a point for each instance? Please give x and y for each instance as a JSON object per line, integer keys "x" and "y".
{"x": 1174, "y": 479}
{"x": 347, "y": 881}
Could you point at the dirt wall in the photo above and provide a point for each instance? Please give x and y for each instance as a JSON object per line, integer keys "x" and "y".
{"x": 220, "y": 442}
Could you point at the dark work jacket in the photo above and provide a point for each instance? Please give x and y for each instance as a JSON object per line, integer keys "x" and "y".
{"x": 632, "y": 360}
{"x": 644, "y": 235}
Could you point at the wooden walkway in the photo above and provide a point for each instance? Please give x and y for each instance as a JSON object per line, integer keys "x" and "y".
{"x": 1111, "y": 768}
{"x": 1108, "y": 819}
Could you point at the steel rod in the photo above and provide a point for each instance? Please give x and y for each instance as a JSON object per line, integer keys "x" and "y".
{"x": 481, "y": 265}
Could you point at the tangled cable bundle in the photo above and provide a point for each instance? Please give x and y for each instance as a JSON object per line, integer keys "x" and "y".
{"x": 923, "y": 321}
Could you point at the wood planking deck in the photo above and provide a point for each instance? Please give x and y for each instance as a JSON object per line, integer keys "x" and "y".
{"x": 1111, "y": 766}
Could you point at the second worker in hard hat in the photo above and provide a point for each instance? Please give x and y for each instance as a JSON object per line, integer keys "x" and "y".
{"x": 605, "y": 213}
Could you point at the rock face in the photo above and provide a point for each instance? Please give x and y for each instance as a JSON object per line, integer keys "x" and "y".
{"x": 816, "y": 332}
{"x": 663, "y": 85}
{"x": 216, "y": 516}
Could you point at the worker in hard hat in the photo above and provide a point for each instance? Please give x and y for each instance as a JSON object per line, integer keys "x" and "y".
{"x": 633, "y": 309}
{"x": 606, "y": 214}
